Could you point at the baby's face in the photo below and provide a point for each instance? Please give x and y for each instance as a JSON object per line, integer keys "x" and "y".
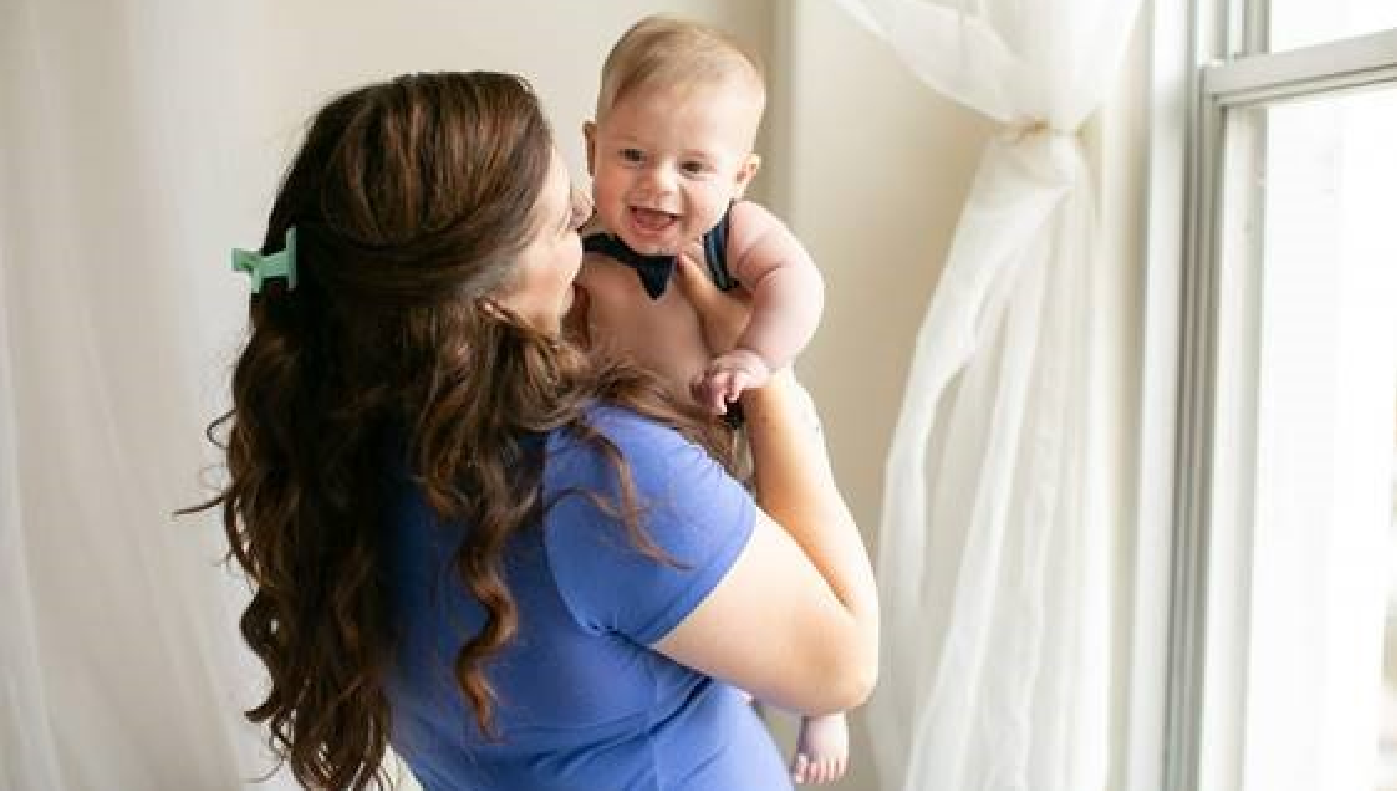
{"x": 666, "y": 162}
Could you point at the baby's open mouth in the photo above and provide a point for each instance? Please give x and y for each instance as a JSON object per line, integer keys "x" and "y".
{"x": 652, "y": 220}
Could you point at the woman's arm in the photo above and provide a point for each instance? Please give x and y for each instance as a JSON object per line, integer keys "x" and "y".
{"x": 795, "y": 620}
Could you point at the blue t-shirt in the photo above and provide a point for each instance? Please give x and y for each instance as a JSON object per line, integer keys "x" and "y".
{"x": 584, "y": 704}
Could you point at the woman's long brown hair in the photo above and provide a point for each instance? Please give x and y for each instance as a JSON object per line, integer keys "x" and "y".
{"x": 411, "y": 201}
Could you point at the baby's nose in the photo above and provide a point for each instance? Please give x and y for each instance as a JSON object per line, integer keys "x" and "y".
{"x": 660, "y": 180}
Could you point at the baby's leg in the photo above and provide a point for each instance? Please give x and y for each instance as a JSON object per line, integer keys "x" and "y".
{"x": 822, "y": 750}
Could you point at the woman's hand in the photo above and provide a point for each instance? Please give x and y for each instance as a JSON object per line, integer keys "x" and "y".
{"x": 723, "y": 315}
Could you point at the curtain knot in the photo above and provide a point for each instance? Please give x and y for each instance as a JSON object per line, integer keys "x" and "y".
{"x": 1024, "y": 128}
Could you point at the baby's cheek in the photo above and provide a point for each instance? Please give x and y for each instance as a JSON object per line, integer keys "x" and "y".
{"x": 610, "y": 199}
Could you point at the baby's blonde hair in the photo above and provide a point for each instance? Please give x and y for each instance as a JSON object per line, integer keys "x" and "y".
{"x": 663, "y": 49}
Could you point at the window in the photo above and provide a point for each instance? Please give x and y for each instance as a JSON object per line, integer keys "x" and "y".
{"x": 1283, "y": 632}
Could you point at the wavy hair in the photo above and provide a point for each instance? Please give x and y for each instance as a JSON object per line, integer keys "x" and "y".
{"x": 411, "y": 201}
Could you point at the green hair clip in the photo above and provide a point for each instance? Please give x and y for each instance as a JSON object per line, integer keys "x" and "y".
{"x": 262, "y": 267}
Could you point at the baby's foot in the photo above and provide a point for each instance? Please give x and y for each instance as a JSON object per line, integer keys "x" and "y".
{"x": 822, "y": 751}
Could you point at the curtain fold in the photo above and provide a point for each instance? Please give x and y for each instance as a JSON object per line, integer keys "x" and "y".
{"x": 992, "y": 557}
{"x": 120, "y": 666}
{"x": 27, "y": 755}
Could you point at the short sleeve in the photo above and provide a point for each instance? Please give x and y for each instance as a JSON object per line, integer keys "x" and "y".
{"x": 697, "y": 515}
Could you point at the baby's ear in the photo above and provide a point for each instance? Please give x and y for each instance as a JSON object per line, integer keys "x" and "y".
{"x": 745, "y": 174}
{"x": 589, "y": 133}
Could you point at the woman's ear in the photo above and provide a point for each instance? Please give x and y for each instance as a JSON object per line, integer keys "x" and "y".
{"x": 589, "y": 134}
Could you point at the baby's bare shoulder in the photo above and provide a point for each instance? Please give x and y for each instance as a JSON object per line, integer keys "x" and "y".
{"x": 760, "y": 242}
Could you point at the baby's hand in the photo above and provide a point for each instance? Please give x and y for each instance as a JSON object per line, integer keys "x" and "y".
{"x": 727, "y": 376}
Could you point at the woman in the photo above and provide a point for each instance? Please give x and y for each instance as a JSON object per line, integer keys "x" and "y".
{"x": 520, "y": 566}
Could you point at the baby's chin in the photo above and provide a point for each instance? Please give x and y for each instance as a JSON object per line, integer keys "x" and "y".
{"x": 651, "y": 246}
{"x": 667, "y": 241}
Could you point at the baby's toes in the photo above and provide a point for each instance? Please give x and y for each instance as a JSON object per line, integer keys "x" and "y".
{"x": 800, "y": 765}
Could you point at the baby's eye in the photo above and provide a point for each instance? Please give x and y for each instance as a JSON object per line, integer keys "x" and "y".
{"x": 694, "y": 168}
{"x": 632, "y": 154}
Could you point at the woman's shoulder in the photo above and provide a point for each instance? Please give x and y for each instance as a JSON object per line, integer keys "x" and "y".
{"x": 632, "y": 433}
{"x": 654, "y": 457}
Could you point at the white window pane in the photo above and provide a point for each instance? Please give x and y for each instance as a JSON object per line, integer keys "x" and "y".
{"x": 1300, "y": 23}
{"x": 1319, "y": 694}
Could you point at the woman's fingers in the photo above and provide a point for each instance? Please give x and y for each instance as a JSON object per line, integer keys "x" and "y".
{"x": 724, "y": 314}
{"x": 694, "y": 281}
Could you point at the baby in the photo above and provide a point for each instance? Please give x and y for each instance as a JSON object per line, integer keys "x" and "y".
{"x": 670, "y": 154}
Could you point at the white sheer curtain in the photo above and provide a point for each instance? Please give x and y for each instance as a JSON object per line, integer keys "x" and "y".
{"x": 120, "y": 667}
{"x": 993, "y": 550}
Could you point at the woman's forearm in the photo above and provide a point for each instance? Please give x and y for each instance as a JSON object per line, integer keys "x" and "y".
{"x": 795, "y": 486}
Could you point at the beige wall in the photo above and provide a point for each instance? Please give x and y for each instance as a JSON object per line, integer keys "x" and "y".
{"x": 316, "y": 49}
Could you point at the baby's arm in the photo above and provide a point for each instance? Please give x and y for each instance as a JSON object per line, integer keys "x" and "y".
{"x": 788, "y": 297}
{"x": 788, "y": 294}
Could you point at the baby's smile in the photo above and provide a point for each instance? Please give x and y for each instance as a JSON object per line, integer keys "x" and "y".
{"x": 652, "y": 219}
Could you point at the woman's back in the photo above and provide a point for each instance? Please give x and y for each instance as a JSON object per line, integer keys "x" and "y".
{"x": 582, "y": 701}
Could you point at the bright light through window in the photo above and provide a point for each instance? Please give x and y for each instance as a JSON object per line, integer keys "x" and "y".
{"x": 1300, "y": 23}
{"x": 1322, "y": 702}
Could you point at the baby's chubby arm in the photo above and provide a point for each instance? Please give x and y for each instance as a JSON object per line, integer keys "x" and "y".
{"x": 788, "y": 296}
{"x": 788, "y": 293}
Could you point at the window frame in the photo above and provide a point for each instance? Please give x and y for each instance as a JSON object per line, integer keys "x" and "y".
{"x": 1210, "y": 62}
